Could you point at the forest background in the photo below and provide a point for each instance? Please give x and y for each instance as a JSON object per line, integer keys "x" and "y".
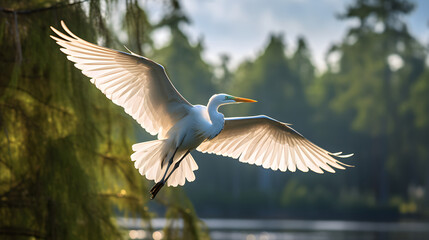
{"x": 64, "y": 162}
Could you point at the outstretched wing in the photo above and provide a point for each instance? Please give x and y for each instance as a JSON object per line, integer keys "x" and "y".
{"x": 264, "y": 141}
{"x": 133, "y": 82}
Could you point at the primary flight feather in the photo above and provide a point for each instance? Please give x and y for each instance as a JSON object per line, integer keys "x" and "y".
{"x": 142, "y": 87}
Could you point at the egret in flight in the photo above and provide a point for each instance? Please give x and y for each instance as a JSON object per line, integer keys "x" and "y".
{"x": 142, "y": 87}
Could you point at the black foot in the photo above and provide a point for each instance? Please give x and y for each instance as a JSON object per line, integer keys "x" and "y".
{"x": 155, "y": 189}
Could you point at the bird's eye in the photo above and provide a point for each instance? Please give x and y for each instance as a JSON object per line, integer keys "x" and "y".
{"x": 228, "y": 97}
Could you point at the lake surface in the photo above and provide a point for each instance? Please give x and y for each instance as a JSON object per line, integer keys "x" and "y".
{"x": 244, "y": 229}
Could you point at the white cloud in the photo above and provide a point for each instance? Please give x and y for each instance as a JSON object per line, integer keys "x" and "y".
{"x": 241, "y": 27}
{"x": 246, "y": 25}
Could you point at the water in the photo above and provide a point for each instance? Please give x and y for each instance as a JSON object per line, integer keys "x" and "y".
{"x": 244, "y": 229}
{"x": 310, "y": 229}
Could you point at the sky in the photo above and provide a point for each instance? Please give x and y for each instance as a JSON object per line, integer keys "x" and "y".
{"x": 241, "y": 28}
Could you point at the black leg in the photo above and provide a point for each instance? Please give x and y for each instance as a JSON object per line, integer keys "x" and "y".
{"x": 155, "y": 189}
{"x": 171, "y": 159}
{"x": 168, "y": 166}
{"x": 177, "y": 165}
{"x": 161, "y": 183}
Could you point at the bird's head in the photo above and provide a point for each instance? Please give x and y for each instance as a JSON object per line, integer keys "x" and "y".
{"x": 222, "y": 99}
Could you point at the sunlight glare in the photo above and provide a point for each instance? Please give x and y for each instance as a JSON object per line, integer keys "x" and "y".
{"x": 157, "y": 235}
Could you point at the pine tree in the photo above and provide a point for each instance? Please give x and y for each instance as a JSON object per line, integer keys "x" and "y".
{"x": 183, "y": 62}
{"x": 379, "y": 60}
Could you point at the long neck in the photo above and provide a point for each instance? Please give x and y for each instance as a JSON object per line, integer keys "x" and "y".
{"x": 215, "y": 116}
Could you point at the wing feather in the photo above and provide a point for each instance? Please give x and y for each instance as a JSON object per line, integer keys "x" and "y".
{"x": 282, "y": 163}
{"x": 133, "y": 82}
{"x": 278, "y": 150}
{"x": 248, "y": 142}
{"x": 264, "y": 158}
{"x": 296, "y": 158}
{"x": 253, "y": 153}
{"x": 266, "y": 142}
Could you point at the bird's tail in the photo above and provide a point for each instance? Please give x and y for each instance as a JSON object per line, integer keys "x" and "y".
{"x": 149, "y": 155}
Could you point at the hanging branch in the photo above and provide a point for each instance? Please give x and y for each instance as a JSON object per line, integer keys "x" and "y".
{"x": 29, "y": 11}
{"x": 43, "y": 102}
{"x": 17, "y": 39}
{"x": 16, "y": 231}
{"x": 119, "y": 195}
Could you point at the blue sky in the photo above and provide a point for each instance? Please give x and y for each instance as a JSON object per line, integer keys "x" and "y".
{"x": 241, "y": 28}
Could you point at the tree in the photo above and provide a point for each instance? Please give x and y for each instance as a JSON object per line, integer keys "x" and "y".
{"x": 65, "y": 171}
{"x": 183, "y": 62}
{"x": 304, "y": 74}
{"x": 269, "y": 78}
{"x": 224, "y": 80}
{"x": 137, "y": 26}
{"x": 378, "y": 61}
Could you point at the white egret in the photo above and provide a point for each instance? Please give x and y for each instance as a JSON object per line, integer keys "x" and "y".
{"x": 144, "y": 90}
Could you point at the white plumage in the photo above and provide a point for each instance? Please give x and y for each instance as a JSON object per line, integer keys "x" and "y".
{"x": 143, "y": 89}
{"x": 266, "y": 142}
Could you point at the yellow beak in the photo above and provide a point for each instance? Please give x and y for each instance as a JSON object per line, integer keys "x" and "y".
{"x": 239, "y": 99}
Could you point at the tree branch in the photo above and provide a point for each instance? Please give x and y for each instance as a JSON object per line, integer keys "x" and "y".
{"x": 17, "y": 203}
{"x": 45, "y": 103}
{"x": 16, "y": 231}
{"x": 29, "y": 11}
{"x": 118, "y": 195}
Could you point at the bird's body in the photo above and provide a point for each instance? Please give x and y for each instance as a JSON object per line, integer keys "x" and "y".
{"x": 143, "y": 89}
{"x": 197, "y": 126}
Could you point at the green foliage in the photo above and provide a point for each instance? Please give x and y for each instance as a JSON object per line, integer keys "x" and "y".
{"x": 373, "y": 86}
{"x": 137, "y": 26}
{"x": 190, "y": 74}
{"x": 51, "y": 140}
{"x": 371, "y": 101}
{"x": 269, "y": 78}
{"x": 302, "y": 196}
{"x": 186, "y": 68}
{"x": 64, "y": 166}
{"x": 419, "y": 101}
{"x": 182, "y": 209}
{"x": 225, "y": 77}
{"x": 365, "y": 75}
{"x": 65, "y": 171}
